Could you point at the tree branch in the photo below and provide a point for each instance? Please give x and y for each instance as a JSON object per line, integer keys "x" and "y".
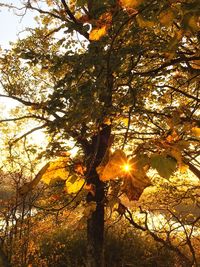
{"x": 25, "y": 117}
{"x": 29, "y": 132}
{"x": 167, "y": 64}
{"x": 179, "y": 91}
{"x": 24, "y": 102}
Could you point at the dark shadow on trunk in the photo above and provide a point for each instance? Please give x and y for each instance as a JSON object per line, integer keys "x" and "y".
{"x": 95, "y": 224}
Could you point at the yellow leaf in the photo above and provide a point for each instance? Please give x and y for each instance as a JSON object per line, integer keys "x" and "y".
{"x": 166, "y": 17}
{"x": 56, "y": 169}
{"x": 97, "y": 33}
{"x": 196, "y": 131}
{"x": 125, "y": 121}
{"x": 73, "y": 188}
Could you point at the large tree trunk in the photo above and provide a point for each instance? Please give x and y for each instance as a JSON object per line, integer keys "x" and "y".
{"x": 95, "y": 237}
{"x": 95, "y": 224}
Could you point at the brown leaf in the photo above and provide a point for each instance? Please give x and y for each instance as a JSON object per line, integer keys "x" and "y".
{"x": 134, "y": 186}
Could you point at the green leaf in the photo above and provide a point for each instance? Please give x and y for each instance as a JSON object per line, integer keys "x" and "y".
{"x": 165, "y": 166}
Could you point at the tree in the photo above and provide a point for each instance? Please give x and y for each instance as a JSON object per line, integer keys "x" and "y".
{"x": 121, "y": 74}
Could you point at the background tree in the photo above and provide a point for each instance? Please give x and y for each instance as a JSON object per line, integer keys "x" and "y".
{"x": 120, "y": 74}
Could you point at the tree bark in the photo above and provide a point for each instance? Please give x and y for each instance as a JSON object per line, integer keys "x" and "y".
{"x": 95, "y": 224}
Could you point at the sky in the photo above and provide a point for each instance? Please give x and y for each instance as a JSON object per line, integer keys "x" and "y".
{"x": 12, "y": 27}
{"x": 11, "y": 23}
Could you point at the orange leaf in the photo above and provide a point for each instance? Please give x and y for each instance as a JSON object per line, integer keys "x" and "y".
{"x": 196, "y": 131}
{"x": 98, "y": 33}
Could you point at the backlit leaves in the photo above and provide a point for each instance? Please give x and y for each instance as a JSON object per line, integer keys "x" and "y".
{"x": 134, "y": 186}
{"x": 59, "y": 170}
{"x": 137, "y": 180}
{"x": 74, "y": 185}
{"x": 134, "y": 178}
{"x": 98, "y": 33}
{"x": 102, "y": 26}
{"x": 113, "y": 168}
{"x": 56, "y": 169}
{"x": 164, "y": 165}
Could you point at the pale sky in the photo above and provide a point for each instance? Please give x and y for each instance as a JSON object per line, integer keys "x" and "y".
{"x": 11, "y": 24}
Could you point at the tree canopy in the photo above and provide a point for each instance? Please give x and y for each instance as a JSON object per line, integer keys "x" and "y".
{"x": 118, "y": 78}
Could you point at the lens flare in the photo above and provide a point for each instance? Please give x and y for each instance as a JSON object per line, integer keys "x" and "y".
{"x": 126, "y": 167}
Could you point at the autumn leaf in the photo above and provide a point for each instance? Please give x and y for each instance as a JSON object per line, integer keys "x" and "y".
{"x": 74, "y": 184}
{"x": 164, "y": 165}
{"x": 107, "y": 121}
{"x": 183, "y": 167}
{"x": 175, "y": 152}
{"x": 196, "y": 131}
{"x": 50, "y": 2}
{"x": 114, "y": 167}
{"x": 56, "y": 169}
{"x": 98, "y": 33}
{"x": 173, "y": 137}
{"x": 136, "y": 180}
{"x": 105, "y": 19}
{"x": 134, "y": 186}
{"x": 83, "y": 18}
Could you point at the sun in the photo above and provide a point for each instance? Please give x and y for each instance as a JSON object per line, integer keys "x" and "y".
{"x": 126, "y": 167}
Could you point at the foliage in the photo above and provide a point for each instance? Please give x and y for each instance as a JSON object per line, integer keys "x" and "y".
{"x": 119, "y": 79}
